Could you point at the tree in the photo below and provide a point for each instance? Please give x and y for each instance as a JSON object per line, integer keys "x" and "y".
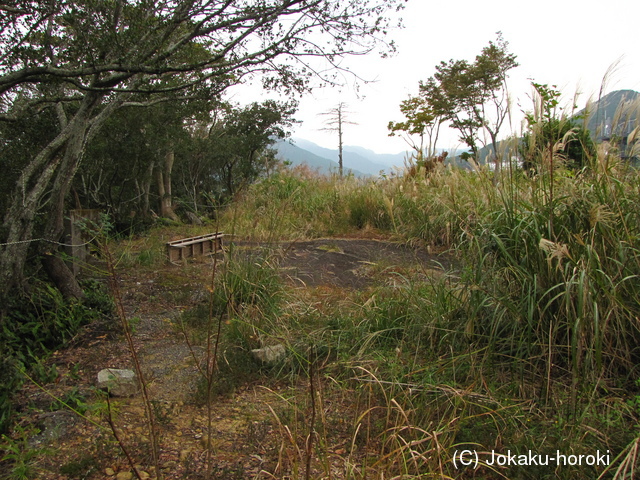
{"x": 235, "y": 148}
{"x": 472, "y": 96}
{"x": 82, "y": 60}
{"x": 424, "y": 116}
{"x": 335, "y": 122}
{"x": 491, "y": 68}
{"x": 133, "y": 158}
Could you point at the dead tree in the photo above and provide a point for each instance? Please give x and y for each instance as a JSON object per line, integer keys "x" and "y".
{"x": 334, "y": 123}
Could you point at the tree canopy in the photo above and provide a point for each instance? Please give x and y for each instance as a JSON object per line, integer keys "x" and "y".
{"x": 471, "y": 96}
{"x": 79, "y": 61}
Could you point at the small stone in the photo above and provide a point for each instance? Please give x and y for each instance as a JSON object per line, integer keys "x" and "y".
{"x": 269, "y": 355}
{"x": 194, "y": 219}
{"x": 118, "y": 382}
{"x": 109, "y": 472}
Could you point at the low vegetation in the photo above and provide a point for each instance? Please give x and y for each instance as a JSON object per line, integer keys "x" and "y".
{"x": 528, "y": 343}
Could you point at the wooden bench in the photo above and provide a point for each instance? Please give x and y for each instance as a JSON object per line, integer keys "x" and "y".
{"x": 178, "y": 250}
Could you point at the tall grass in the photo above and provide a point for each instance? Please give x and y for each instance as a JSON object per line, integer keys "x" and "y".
{"x": 530, "y": 336}
{"x": 559, "y": 278}
{"x": 550, "y": 279}
{"x": 298, "y": 204}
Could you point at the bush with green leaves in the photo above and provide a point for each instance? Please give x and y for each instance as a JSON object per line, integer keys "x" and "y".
{"x": 32, "y": 329}
{"x": 566, "y": 141}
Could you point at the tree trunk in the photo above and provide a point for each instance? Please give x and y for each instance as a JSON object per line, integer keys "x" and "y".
{"x": 147, "y": 181}
{"x": 168, "y": 167}
{"x": 229, "y": 176}
{"x": 25, "y": 204}
{"x": 164, "y": 187}
{"x": 340, "y": 163}
{"x": 61, "y": 276}
{"x": 497, "y": 160}
{"x": 48, "y": 175}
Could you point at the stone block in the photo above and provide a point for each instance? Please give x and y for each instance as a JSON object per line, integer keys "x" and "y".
{"x": 118, "y": 382}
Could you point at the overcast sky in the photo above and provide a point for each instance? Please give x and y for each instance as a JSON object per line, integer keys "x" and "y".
{"x": 566, "y": 43}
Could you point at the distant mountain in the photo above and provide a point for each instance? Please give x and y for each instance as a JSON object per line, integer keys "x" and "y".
{"x": 360, "y": 161}
{"x": 299, "y": 156}
{"x": 356, "y": 158}
{"x": 615, "y": 114}
{"x": 388, "y": 159}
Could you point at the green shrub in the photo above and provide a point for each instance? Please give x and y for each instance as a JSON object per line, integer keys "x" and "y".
{"x": 570, "y": 143}
{"x": 34, "y": 328}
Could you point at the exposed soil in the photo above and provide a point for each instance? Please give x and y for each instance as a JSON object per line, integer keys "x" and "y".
{"x": 248, "y": 437}
{"x": 347, "y": 263}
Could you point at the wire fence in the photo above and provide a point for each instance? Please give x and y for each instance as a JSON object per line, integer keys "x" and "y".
{"x": 49, "y": 241}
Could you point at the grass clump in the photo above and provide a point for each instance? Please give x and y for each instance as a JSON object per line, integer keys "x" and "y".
{"x": 558, "y": 280}
{"x": 525, "y": 345}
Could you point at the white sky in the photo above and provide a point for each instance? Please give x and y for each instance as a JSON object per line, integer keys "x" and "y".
{"x": 567, "y": 43}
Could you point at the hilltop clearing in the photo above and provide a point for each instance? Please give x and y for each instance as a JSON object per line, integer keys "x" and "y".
{"x": 257, "y": 411}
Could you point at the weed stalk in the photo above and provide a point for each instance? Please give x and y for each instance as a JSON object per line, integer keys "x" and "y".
{"x": 114, "y": 432}
{"x": 312, "y": 420}
{"x": 120, "y": 312}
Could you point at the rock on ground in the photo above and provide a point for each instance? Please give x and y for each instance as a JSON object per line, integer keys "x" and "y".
{"x": 118, "y": 382}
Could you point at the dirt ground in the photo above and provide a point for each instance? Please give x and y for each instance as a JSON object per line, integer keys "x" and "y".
{"x": 248, "y": 439}
{"x": 346, "y": 263}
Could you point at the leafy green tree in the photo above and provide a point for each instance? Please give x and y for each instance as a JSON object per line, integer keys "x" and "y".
{"x": 471, "y": 96}
{"x": 491, "y": 69}
{"x": 456, "y": 81}
{"x": 85, "y": 59}
{"x": 423, "y": 119}
{"x": 233, "y": 150}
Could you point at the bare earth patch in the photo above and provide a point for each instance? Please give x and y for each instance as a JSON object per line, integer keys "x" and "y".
{"x": 350, "y": 263}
